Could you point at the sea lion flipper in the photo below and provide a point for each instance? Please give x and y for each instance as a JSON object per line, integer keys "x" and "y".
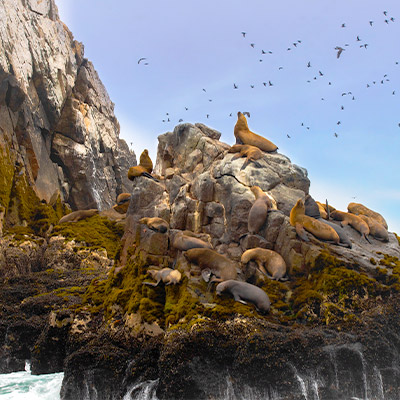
{"x": 301, "y": 232}
{"x": 366, "y": 238}
{"x": 245, "y": 164}
{"x": 150, "y": 284}
{"x": 242, "y": 301}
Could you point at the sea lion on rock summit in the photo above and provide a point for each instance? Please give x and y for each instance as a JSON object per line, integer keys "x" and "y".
{"x": 376, "y": 229}
{"x": 210, "y": 261}
{"x": 122, "y": 205}
{"x": 155, "y": 224}
{"x": 144, "y": 168}
{"x": 300, "y": 221}
{"x": 167, "y": 275}
{"x": 245, "y": 136}
{"x": 259, "y": 210}
{"x": 357, "y": 208}
{"x": 267, "y": 260}
{"x": 353, "y": 220}
{"x": 76, "y": 216}
{"x": 251, "y": 153}
{"x": 243, "y": 291}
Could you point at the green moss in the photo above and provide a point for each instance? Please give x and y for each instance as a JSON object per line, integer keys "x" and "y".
{"x": 94, "y": 232}
{"x": 6, "y": 177}
{"x": 372, "y": 261}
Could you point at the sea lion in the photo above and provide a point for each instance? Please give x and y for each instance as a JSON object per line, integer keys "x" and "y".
{"x": 258, "y": 211}
{"x": 76, "y": 216}
{"x": 122, "y": 205}
{"x": 243, "y": 291}
{"x": 315, "y": 210}
{"x": 155, "y": 224}
{"x": 167, "y": 275}
{"x": 210, "y": 261}
{"x": 353, "y": 220}
{"x": 300, "y": 221}
{"x": 251, "y": 153}
{"x": 376, "y": 229}
{"x": 185, "y": 242}
{"x": 244, "y": 136}
{"x": 357, "y": 208}
{"x": 322, "y": 210}
{"x": 267, "y": 260}
{"x": 144, "y": 168}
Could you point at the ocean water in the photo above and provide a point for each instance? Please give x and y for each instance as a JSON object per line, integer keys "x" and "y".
{"x": 24, "y": 386}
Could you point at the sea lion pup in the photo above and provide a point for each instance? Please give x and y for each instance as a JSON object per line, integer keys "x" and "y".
{"x": 155, "y": 224}
{"x": 320, "y": 230}
{"x": 313, "y": 209}
{"x": 357, "y": 208}
{"x": 251, "y": 153}
{"x": 167, "y": 275}
{"x": 243, "y": 291}
{"x": 245, "y": 136}
{"x": 267, "y": 260}
{"x": 144, "y": 168}
{"x": 258, "y": 211}
{"x": 122, "y": 205}
{"x": 185, "y": 242}
{"x": 212, "y": 262}
{"x": 353, "y": 220}
{"x": 376, "y": 229}
{"x": 76, "y": 216}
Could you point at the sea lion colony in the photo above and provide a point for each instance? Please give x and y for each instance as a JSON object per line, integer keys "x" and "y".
{"x": 305, "y": 216}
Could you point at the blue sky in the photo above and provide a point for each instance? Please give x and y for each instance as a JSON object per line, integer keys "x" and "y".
{"x": 190, "y": 46}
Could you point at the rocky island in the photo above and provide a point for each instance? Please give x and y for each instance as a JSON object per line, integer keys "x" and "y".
{"x": 77, "y": 296}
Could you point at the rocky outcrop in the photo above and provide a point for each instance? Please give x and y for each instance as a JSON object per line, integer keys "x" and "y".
{"x": 57, "y": 122}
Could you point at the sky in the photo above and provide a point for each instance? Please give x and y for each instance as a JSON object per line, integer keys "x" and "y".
{"x": 337, "y": 117}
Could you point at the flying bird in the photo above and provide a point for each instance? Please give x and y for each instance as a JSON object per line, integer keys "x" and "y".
{"x": 280, "y": 68}
{"x": 252, "y": 45}
{"x": 336, "y": 135}
{"x": 339, "y": 51}
{"x": 309, "y": 64}
{"x": 288, "y": 136}
{"x": 246, "y": 113}
{"x": 342, "y": 108}
{"x": 235, "y": 86}
{"x": 252, "y": 86}
{"x": 204, "y": 90}
{"x": 371, "y": 22}
{"x": 385, "y": 12}
{"x": 392, "y": 19}
{"x": 186, "y": 108}
{"x": 358, "y": 39}
{"x": 343, "y": 25}
{"x": 387, "y": 21}
{"x": 141, "y": 59}
{"x": 244, "y": 34}
{"x": 181, "y": 120}
{"x": 207, "y": 115}
{"x": 270, "y": 83}
{"x": 338, "y": 123}
{"x": 320, "y": 73}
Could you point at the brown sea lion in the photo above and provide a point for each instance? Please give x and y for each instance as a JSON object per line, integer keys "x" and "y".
{"x": 123, "y": 198}
{"x": 243, "y": 291}
{"x": 300, "y": 221}
{"x": 267, "y": 260}
{"x": 155, "y": 224}
{"x": 144, "y": 168}
{"x": 322, "y": 210}
{"x": 185, "y": 242}
{"x": 245, "y": 136}
{"x": 76, "y": 216}
{"x": 210, "y": 261}
{"x": 357, "y": 208}
{"x": 251, "y": 153}
{"x": 376, "y": 229}
{"x": 258, "y": 211}
{"x": 167, "y": 275}
{"x": 353, "y": 220}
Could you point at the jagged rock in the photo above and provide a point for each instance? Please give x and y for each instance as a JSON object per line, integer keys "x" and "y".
{"x": 57, "y": 120}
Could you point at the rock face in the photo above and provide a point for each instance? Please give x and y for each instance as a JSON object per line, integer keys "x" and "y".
{"x": 57, "y": 122}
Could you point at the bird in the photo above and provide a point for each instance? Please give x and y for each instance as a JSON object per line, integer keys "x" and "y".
{"x": 186, "y": 108}
{"x": 320, "y": 73}
{"x": 322, "y": 98}
{"x": 294, "y": 44}
{"x": 338, "y": 123}
{"x": 339, "y": 49}
{"x": 341, "y": 107}
{"x": 246, "y": 113}
{"x": 244, "y": 34}
{"x": 387, "y": 21}
{"x": 270, "y": 83}
{"x": 260, "y": 60}
{"x": 289, "y": 49}
{"x": 358, "y": 39}
{"x": 263, "y": 52}
{"x": 343, "y": 25}
{"x": 210, "y": 100}
{"x": 207, "y": 115}
{"x": 252, "y": 45}
{"x": 288, "y": 136}
{"x": 168, "y": 120}
{"x": 336, "y": 135}
{"x": 302, "y": 124}
{"x": 141, "y": 59}
{"x": 371, "y": 22}
{"x": 329, "y": 83}
{"x": 367, "y": 85}
{"x": 299, "y": 41}
{"x": 393, "y": 92}
{"x": 265, "y": 83}
{"x": 235, "y": 86}
{"x": 385, "y": 12}
{"x": 392, "y": 19}
{"x": 309, "y": 64}
{"x": 204, "y": 90}
{"x": 230, "y": 114}
{"x": 252, "y": 86}
{"x": 280, "y": 68}
{"x": 344, "y": 94}
{"x": 181, "y": 120}
{"x": 353, "y": 98}
{"x": 399, "y": 124}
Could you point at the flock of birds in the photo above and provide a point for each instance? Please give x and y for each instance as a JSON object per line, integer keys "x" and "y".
{"x": 320, "y": 74}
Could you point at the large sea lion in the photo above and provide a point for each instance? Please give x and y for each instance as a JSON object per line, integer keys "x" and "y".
{"x": 258, "y": 211}
{"x": 245, "y": 136}
{"x": 243, "y": 291}
{"x": 167, "y": 275}
{"x": 353, "y": 220}
{"x": 122, "y": 205}
{"x": 322, "y": 210}
{"x": 377, "y": 230}
{"x": 357, "y": 208}
{"x": 155, "y": 224}
{"x": 144, "y": 168}
{"x": 315, "y": 210}
{"x": 76, "y": 216}
{"x": 251, "y": 153}
{"x": 267, "y": 260}
{"x": 300, "y": 221}
{"x": 210, "y": 261}
{"x": 185, "y": 242}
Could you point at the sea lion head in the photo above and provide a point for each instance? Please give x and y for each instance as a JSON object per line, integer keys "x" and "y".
{"x": 241, "y": 123}
{"x": 220, "y": 288}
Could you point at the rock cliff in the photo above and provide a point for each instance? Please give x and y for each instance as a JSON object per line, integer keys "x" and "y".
{"x": 58, "y": 130}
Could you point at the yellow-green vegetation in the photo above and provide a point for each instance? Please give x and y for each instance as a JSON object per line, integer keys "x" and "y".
{"x": 6, "y": 177}
{"x": 93, "y": 232}
{"x": 164, "y": 304}
{"x": 333, "y": 291}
